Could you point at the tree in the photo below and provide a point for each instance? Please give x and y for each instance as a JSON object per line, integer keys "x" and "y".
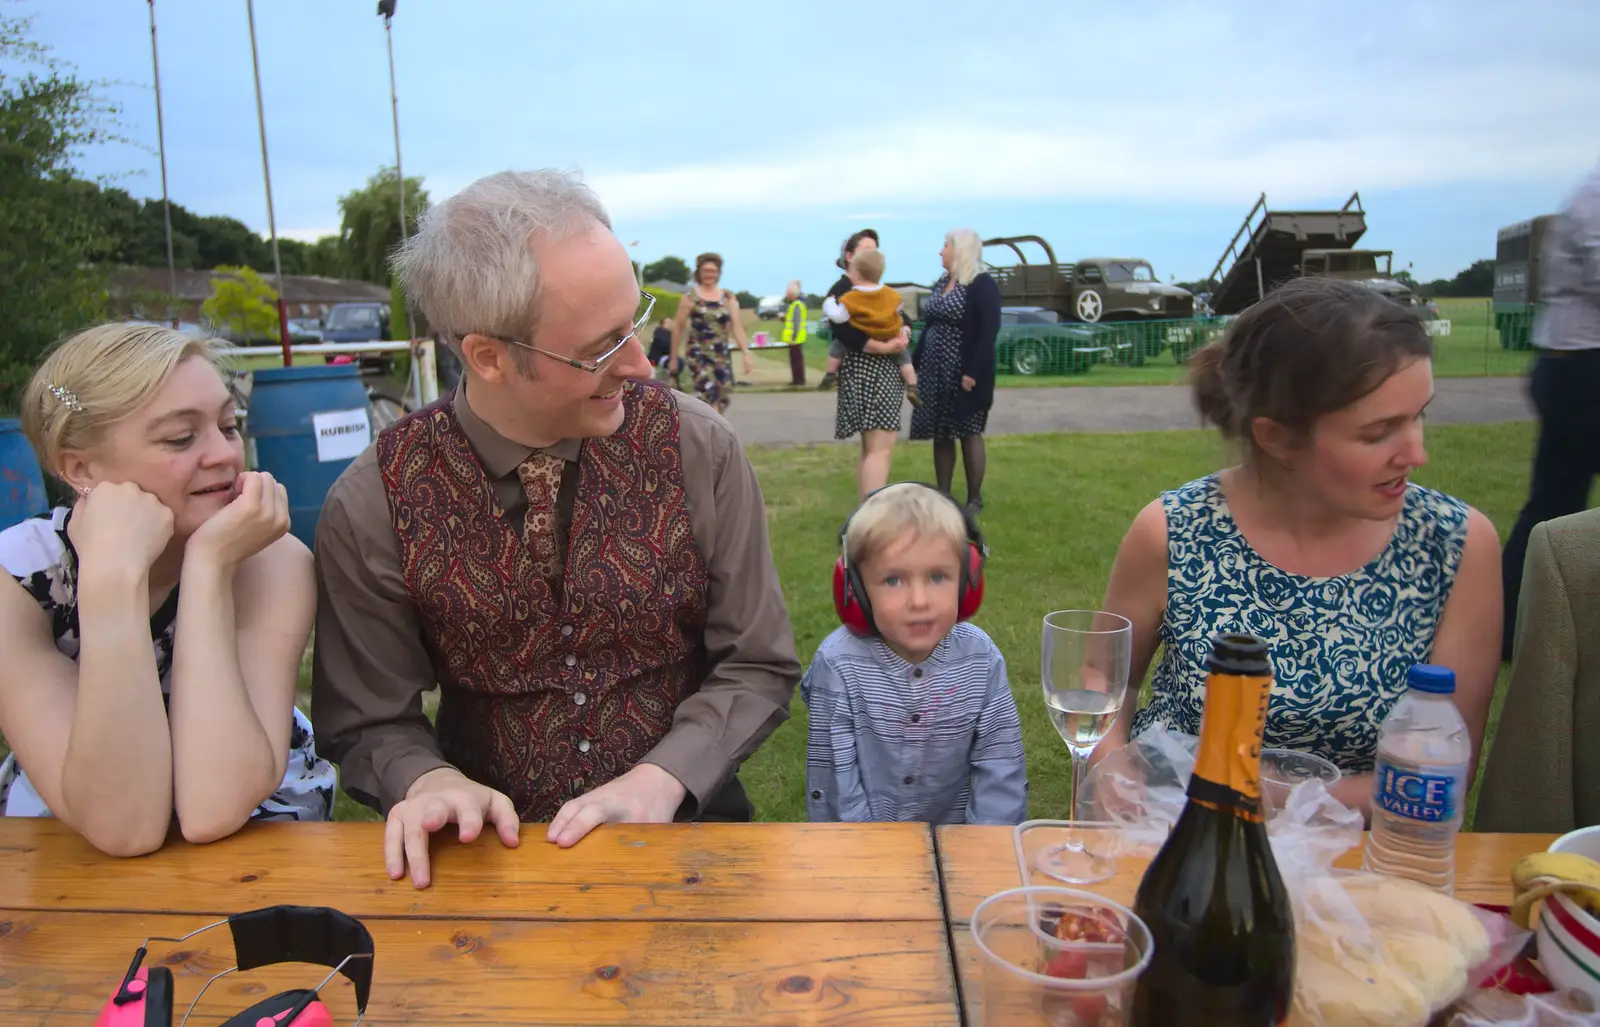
{"x": 747, "y": 300}
{"x": 1477, "y": 280}
{"x": 242, "y": 305}
{"x": 370, "y": 223}
{"x": 48, "y": 237}
{"x": 667, "y": 269}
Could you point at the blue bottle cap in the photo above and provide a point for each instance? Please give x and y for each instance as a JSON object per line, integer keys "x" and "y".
{"x": 1430, "y": 678}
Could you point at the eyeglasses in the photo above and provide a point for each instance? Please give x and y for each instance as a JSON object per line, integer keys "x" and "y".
{"x": 599, "y": 363}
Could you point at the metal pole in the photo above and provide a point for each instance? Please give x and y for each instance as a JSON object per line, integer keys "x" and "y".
{"x": 399, "y": 170}
{"x": 266, "y": 171}
{"x": 161, "y": 140}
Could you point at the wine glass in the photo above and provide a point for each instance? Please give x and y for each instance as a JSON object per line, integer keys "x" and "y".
{"x": 1085, "y": 658}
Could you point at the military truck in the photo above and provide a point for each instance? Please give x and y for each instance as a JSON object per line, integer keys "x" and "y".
{"x": 1516, "y": 279}
{"x": 1270, "y": 247}
{"x": 1371, "y": 268}
{"x": 1090, "y": 290}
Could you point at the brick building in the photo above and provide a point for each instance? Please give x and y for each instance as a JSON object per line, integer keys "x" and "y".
{"x": 140, "y": 293}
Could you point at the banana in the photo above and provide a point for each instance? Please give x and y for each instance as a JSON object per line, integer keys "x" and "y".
{"x": 1540, "y": 874}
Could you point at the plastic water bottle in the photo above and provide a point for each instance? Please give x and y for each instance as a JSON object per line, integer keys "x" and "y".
{"x": 1420, "y": 784}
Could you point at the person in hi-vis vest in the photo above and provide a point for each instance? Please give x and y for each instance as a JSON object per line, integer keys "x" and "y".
{"x": 794, "y": 316}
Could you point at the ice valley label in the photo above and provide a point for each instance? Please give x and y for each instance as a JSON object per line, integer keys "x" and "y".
{"x": 1429, "y": 794}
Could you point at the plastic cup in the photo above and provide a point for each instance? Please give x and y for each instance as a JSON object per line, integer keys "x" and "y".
{"x": 1032, "y": 976}
{"x": 1282, "y": 769}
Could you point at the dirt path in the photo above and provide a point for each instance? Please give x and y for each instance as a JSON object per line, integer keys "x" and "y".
{"x": 779, "y": 418}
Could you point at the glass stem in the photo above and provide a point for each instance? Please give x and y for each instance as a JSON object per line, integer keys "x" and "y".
{"x": 1079, "y": 760}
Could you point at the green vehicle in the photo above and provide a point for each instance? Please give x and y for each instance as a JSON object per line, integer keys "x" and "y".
{"x": 1516, "y": 280}
{"x": 1091, "y": 290}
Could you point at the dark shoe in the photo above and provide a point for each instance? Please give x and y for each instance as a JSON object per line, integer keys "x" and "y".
{"x": 974, "y": 507}
{"x": 829, "y": 380}
{"x": 913, "y": 397}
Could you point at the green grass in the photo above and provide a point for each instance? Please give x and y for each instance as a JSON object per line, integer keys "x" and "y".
{"x": 1471, "y": 350}
{"x": 1056, "y": 507}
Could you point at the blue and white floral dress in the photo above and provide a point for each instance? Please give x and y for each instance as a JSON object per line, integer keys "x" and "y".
{"x": 38, "y": 553}
{"x": 1340, "y": 646}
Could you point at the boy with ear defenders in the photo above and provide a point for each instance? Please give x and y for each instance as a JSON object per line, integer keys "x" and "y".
{"x": 911, "y": 714}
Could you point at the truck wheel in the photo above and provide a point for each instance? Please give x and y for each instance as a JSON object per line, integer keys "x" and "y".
{"x": 1028, "y": 357}
{"x": 1089, "y": 306}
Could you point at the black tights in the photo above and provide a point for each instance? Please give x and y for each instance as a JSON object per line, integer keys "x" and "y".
{"x": 972, "y": 459}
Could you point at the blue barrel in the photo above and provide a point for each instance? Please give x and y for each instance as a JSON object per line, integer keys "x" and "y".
{"x": 306, "y": 424}
{"x": 21, "y": 484}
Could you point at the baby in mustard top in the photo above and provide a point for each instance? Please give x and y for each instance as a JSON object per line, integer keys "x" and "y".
{"x": 874, "y": 309}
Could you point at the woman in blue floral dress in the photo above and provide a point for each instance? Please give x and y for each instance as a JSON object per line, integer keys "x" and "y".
{"x": 1317, "y": 541}
{"x": 955, "y": 364}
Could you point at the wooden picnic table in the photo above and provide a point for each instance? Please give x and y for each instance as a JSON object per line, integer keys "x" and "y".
{"x": 709, "y": 924}
{"x": 976, "y": 862}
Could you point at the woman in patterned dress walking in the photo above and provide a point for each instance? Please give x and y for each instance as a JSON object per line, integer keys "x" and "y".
{"x": 955, "y": 363}
{"x": 711, "y": 314}
{"x": 1317, "y": 541}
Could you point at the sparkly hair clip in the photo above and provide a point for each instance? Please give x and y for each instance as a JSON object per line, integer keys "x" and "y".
{"x": 67, "y": 397}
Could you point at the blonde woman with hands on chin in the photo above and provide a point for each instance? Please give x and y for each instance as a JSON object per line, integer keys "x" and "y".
{"x": 156, "y": 626}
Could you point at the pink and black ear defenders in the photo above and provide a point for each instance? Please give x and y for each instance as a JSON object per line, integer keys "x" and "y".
{"x": 850, "y": 594}
{"x": 262, "y": 937}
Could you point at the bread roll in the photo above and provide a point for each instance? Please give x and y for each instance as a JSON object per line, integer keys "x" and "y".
{"x": 1353, "y": 993}
{"x": 1433, "y": 965}
{"x": 1393, "y": 902}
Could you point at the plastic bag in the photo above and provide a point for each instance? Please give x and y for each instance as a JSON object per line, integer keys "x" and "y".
{"x": 1369, "y": 949}
{"x": 1494, "y": 1008}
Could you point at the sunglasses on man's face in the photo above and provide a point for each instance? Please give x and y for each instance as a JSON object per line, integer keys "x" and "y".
{"x": 647, "y": 303}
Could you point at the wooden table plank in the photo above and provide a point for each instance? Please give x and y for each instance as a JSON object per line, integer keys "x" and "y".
{"x": 60, "y": 968}
{"x": 977, "y": 861}
{"x": 736, "y": 872}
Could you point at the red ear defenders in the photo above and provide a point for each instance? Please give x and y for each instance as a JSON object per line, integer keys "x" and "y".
{"x": 850, "y": 594}
{"x": 262, "y": 937}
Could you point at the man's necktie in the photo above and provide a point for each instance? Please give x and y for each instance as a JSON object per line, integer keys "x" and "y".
{"x": 541, "y": 481}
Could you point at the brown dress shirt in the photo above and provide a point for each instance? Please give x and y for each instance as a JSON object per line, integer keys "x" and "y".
{"x": 371, "y": 666}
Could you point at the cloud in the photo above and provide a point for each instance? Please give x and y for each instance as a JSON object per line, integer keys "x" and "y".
{"x": 303, "y": 234}
{"x": 1316, "y": 143}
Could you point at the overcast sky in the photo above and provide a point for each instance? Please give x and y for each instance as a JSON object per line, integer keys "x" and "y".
{"x": 763, "y": 132}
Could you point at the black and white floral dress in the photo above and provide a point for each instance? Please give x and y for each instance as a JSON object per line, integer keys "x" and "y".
{"x": 38, "y": 553}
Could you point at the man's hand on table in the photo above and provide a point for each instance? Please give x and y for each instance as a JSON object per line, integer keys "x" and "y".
{"x": 646, "y": 794}
{"x": 437, "y": 798}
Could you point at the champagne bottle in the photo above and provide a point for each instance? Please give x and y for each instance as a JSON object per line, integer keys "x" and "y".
{"x": 1219, "y": 917}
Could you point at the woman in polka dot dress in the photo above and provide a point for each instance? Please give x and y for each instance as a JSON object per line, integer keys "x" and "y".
{"x": 955, "y": 363}
{"x": 871, "y": 389}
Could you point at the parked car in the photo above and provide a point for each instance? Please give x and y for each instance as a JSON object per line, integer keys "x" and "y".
{"x": 360, "y": 322}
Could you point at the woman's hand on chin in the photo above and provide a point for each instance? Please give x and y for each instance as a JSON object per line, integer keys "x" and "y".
{"x": 257, "y": 517}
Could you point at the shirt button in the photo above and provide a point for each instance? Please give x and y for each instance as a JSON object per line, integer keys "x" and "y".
{"x": 917, "y": 673}
{"x": 916, "y": 718}
{"x": 910, "y": 779}
{"x": 583, "y": 746}
{"x": 816, "y": 795}
{"x": 566, "y": 629}
{"x": 580, "y": 698}
{"x": 569, "y": 659}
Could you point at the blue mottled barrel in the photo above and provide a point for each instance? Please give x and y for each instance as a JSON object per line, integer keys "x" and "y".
{"x": 306, "y": 424}
{"x": 21, "y": 482}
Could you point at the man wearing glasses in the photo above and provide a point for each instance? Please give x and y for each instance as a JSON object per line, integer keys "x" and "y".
{"x": 575, "y": 555}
